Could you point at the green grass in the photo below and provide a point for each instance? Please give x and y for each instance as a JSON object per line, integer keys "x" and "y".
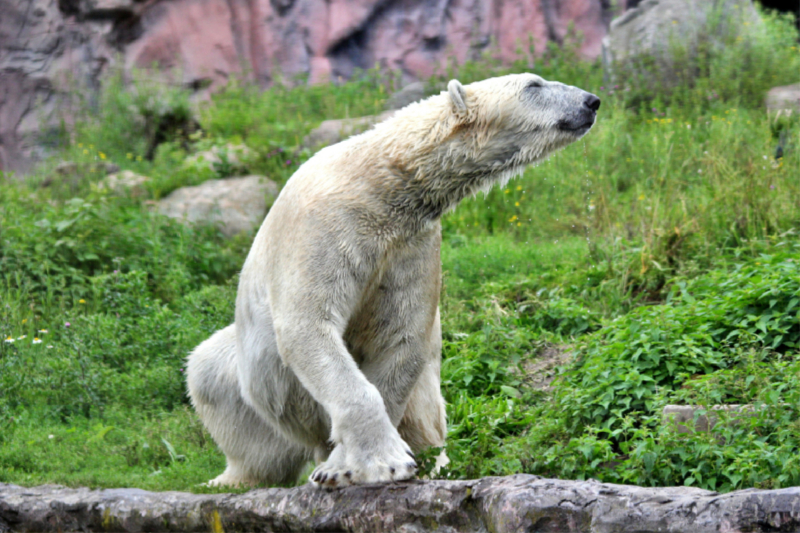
{"x": 662, "y": 251}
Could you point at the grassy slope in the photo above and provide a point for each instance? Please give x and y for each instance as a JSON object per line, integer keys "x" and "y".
{"x": 643, "y": 247}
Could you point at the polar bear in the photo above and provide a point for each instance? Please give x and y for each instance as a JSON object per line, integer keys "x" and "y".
{"x": 334, "y": 353}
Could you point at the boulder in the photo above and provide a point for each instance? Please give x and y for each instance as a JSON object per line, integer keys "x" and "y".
{"x": 71, "y": 168}
{"x": 333, "y": 131}
{"x": 70, "y": 173}
{"x": 499, "y": 504}
{"x": 784, "y": 98}
{"x": 682, "y": 417}
{"x": 232, "y": 156}
{"x": 233, "y": 205}
{"x": 413, "y": 92}
{"x": 125, "y": 183}
{"x": 654, "y": 27}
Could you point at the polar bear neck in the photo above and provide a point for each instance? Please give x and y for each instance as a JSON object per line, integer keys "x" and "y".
{"x": 429, "y": 160}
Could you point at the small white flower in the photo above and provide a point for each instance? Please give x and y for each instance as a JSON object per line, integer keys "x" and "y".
{"x": 49, "y": 346}
{"x": 22, "y": 337}
{"x": 51, "y": 436}
{"x": 9, "y": 340}
{"x": 43, "y": 331}
{"x": 37, "y": 340}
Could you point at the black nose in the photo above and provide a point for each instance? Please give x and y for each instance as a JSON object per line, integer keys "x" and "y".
{"x": 592, "y": 102}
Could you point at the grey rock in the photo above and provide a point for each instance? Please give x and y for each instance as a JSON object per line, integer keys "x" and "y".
{"x": 784, "y": 98}
{"x": 501, "y": 505}
{"x": 413, "y": 92}
{"x": 71, "y": 168}
{"x": 125, "y": 183}
{"x": 70, "y": 173}
{"x": 653, "y": 27}
{"x": 106, "y": 8}
{"x": 50, "y": 62}
{"x": 684, "y": 420}
{"x": 335, "y": 130}
{"x": 233, "y": 205}
{"x": 235, "y": 156}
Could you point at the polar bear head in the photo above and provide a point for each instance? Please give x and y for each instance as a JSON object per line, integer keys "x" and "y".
{"x": 470, "y": 137}
{"x": 506, "y": 123}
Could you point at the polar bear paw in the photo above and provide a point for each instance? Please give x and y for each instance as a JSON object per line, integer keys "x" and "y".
{"x": 231, "y": 477}
{"x": 342, "y": 470}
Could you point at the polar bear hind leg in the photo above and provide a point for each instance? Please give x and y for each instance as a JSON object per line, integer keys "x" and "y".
{"x": 424, "y": 422}
{"x": 255, "y": 451}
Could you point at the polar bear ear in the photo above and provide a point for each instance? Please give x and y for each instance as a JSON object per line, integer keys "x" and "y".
{"x": 458, "y": 95}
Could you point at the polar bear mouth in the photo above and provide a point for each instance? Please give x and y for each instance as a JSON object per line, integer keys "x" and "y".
{"x": 575, "y": 126}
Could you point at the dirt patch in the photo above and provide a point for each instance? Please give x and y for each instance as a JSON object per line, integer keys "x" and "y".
{"x": 541, "y": 370}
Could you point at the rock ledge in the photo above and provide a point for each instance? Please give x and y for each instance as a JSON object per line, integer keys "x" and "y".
{"x": 500, "y": 504}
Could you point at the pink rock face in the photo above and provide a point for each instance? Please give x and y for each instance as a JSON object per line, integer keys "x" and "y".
{"x": 206, "y": 42}
{"x": 191, "y": 37}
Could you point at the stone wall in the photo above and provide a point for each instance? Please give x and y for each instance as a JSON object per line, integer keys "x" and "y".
{"x": 510, "y": 504}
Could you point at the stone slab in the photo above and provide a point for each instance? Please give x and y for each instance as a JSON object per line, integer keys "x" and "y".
{"x": 519, "y": 503}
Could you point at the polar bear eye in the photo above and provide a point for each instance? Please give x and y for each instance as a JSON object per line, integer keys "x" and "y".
{"x": 534, "y": 84}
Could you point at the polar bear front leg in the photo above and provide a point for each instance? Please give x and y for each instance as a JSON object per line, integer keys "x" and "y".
{"x": 367, "y": 446}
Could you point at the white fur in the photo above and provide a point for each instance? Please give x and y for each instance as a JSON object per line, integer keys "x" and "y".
{"x": 335, "y": 349}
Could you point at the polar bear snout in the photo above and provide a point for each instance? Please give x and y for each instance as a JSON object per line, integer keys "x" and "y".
{"x": 580, "y": 121}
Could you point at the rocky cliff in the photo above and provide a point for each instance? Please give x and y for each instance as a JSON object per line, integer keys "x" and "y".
{"x": 52, "y": 50}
